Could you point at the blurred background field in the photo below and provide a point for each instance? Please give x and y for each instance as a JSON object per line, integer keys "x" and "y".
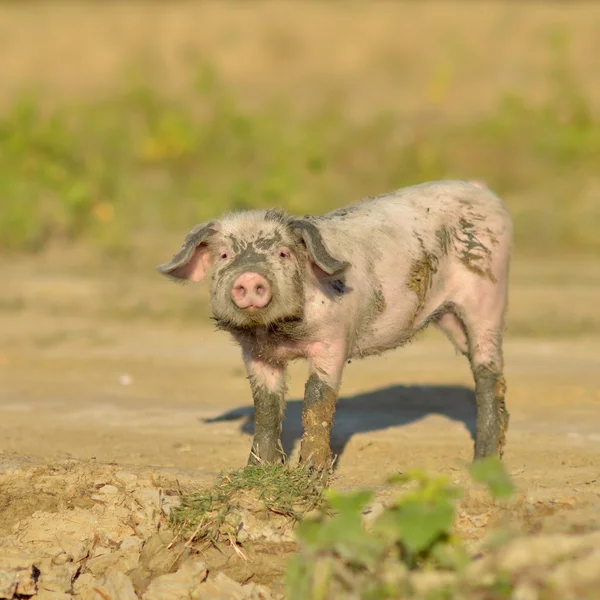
{"x": 123, "y": 124}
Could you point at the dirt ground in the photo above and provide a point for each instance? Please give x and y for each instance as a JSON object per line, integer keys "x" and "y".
{"x": 89, "y": 394}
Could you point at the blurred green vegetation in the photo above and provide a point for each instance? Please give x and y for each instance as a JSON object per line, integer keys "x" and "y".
{"x": 341, "y": 558}
{"x": 140, "y": 163}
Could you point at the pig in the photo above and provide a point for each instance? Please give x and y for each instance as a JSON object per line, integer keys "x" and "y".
{"x": 357, "y": 282}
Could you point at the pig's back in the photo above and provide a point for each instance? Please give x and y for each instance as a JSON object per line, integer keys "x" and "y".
{"x": 431, "y": 217}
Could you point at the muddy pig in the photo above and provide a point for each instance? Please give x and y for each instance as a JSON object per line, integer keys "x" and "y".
{"x": 357, "y": 282}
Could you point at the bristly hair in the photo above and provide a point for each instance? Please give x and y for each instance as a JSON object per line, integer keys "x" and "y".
{"x": 278, "y": 215}
{"x": 290, "y": 328}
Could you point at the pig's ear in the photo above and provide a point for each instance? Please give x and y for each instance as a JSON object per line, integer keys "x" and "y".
{"x": 317, "y": 251}
{"x": 193, "y": 259}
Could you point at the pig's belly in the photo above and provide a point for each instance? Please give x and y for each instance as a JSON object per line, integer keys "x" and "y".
{"x": 391, "y": 330}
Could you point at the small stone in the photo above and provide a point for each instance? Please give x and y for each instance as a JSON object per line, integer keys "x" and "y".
{"x": 100, "y": 564}
{"x": 129, "y": 561}
{"x": 169, "y": 503}
{"x": 57, "y": 578}
{"x": 220, "y": 588}
{"x": 253, "y": 591}
{"x": 224, "y": 588}
{"x": 148, "y": 498}
{"x": 113, "y": 586}
{"x": 83, "y": 582}
{"x": 372, "y": 513}
{"x": 61, "y": 558}
{"x": 8, "y": 583}
{"x": 100, "y": 551}
{"x": 128, "y": 479}
{"x": 48, "y": 595}
{"x": 18, "y": 574}
{"x": 113, "y": 536}
{"x": 145, "y": 482}
{"x": 140, "y": 578}
{"x": 131, "y": 543}
{"x": 125, "y": 379}
{"x": 157, "y": 558}
{"x": 179, "y": 585}
{"x": 78, "y": 550}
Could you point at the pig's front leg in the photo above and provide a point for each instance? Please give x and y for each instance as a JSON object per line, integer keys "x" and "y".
{"x": 320, "y": 396}
{"x": 267, "y": 381}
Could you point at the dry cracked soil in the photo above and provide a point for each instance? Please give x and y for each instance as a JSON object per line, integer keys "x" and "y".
{"x": 110, "y": 405}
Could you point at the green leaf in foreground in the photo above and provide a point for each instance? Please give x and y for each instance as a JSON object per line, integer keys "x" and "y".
{"x": 418, "y": 524}
{"x": 491, "y": 472}
{"x": 343, "y": 534}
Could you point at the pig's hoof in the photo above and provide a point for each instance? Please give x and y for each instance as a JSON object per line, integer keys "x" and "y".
{"x": 320, "y": 469}
{"x": 276, "y": 457}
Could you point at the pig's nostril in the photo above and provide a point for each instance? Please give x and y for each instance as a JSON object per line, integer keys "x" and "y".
{"x": 251, "y": 291}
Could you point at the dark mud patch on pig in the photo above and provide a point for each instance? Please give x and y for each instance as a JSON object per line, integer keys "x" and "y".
{"x": 317, "y": 420}
{"x": 269, "y": 408}
{"x": 473, "y": 254}
{"x": 491, "y": 385}
{"x": 444, "y": 237}
{"x": 379, "y": 303}
{"x": 420, "y": 278}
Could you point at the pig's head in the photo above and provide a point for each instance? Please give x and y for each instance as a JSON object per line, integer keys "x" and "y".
{"x": 261, "y": 263}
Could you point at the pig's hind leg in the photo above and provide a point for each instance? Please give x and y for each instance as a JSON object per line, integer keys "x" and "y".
{"x": 482, "y": 310}
{"x": 455, "y": 330}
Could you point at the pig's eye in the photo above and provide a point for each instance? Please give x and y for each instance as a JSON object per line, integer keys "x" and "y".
{"x": 284, "y": 254}
{"x": 224, "y": 255}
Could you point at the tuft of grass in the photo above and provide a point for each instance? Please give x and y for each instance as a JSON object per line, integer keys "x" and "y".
{"x": 212, "y": 515}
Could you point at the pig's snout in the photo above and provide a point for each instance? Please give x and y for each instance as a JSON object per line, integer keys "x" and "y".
{"x": 251, "y": 290}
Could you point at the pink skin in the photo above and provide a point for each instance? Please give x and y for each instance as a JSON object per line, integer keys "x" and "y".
{"x": 251, "y": 291}
{"x": 269, "y": 374}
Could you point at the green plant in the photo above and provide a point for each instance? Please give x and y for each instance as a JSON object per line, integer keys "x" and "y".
{"x": 338, "y": 555}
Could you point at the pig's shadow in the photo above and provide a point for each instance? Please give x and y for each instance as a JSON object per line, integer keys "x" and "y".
{"x": 372, "y": 411}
